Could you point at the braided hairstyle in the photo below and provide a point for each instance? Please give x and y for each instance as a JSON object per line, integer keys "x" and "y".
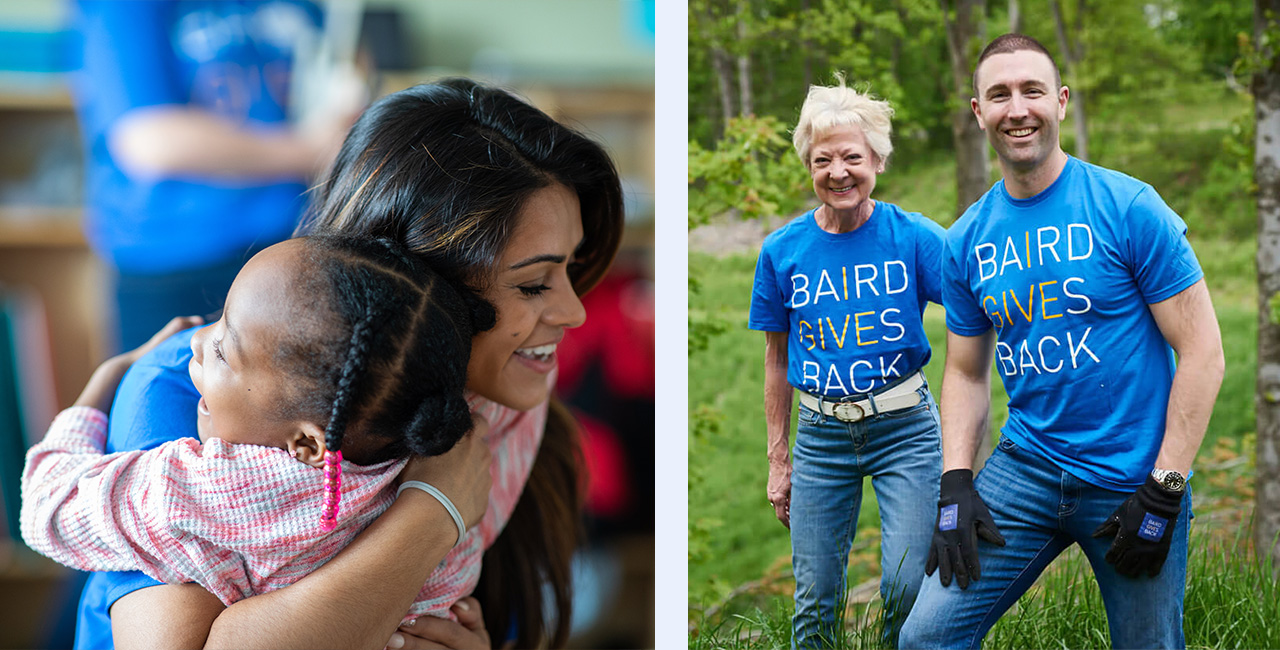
{"x": 445, "y": 168}
{"x": 383, "y": 361}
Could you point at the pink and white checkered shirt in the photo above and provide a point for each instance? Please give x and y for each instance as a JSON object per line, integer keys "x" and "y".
{"x": 238, "y": 519}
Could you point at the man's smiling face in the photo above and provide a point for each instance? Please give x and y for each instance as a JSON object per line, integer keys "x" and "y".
{"x": 1020, "y": 105}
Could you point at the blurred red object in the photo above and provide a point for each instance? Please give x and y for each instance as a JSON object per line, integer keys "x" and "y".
{"x": 618, "y": 334}
{"x": 608, "y": 481}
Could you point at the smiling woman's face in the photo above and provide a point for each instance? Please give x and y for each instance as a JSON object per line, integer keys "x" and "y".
{"x": 534, "y": 297}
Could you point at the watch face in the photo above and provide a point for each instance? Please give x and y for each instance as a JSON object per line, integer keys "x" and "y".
{"x": 1173, "y": 481}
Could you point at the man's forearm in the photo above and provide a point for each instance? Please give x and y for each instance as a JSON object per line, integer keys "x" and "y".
{"x": 1195, "y": 388}
{"x": 1189, "y": 324}
{"x": 966, "y": 398}
{"x": 177, "y": 140}
{"x": 966, "y": 407}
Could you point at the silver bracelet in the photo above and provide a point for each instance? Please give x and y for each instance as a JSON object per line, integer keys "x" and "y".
{"x": 444, "y": 501}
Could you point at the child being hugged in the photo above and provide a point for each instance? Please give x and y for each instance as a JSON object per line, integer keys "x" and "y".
{"x": 335, "y": 359}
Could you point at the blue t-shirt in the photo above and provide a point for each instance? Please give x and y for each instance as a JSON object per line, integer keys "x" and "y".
{"x": 156, "y": 403}
{"x": 1065, "y": 278}
{"x": 233, "y": 59}
{"x": 851, "y": 302}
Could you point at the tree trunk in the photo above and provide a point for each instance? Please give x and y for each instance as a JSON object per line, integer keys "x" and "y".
{"x": 1266, "y": 97}
{"x": 744, "y": 64}
{"x": 1072, "y": 54}
{"x": 724, "y": 80}
{"x": 807, "y": 46}
{"x": 1015, "y": 17}
{"x": 972, "y": 171}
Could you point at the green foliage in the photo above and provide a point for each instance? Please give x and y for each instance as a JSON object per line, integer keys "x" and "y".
{"x": 705, "y": 424}
{"x": 1211, "y": 27}
{"x": 702, "y": 327}
{"x": 1063, "y": 610}
{"x": 899, "y": 50}
{"x": 1258, "y": 54}
{"x": 752, "y": 172}
{"x": 1222, "y": 202}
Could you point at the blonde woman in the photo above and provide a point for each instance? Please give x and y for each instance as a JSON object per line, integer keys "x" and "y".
{"x": 840, "y": 292}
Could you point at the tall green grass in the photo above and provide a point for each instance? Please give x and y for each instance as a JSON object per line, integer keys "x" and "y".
{"x": 1232, "y": 601}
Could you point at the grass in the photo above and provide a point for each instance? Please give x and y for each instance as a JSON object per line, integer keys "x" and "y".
{"x": 1231, "y": 602}
{"x": 736, "y": 541}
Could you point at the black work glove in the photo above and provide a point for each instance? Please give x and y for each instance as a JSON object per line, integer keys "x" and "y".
{"x": 962, "y": 519}
{"x": 1143, "y": 529}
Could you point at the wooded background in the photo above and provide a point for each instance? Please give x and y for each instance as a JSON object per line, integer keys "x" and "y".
{"x": 1182, "y": 94}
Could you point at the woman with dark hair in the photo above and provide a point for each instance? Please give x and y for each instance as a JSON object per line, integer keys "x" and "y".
{"x": 494, "y": 194}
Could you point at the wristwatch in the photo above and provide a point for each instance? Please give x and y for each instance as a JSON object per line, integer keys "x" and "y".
{"x": 1170, "y": 480}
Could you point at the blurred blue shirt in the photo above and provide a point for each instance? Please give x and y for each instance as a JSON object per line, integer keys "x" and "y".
{"x": 230, "y": 58}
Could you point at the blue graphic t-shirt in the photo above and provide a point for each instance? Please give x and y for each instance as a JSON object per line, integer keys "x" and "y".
{"x": 851, "y": 302}
{"x": 233, "y": 59}
{"x": 1065, "y": 278}
{"x": 156, "y": 403}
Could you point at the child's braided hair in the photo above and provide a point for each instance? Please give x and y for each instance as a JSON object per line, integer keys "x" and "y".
{"x": 383, "y": 364}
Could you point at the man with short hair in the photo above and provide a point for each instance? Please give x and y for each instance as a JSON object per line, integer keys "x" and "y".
{"x": 1081, "y": 282}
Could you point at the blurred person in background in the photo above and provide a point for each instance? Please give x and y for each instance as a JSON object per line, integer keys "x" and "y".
{"x": 192, "y": 163}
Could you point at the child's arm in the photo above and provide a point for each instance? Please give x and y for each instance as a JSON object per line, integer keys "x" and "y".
{"x": 111, "y": 513}
{"x": 172, "y": 512}
{"x": 71, "y": 491}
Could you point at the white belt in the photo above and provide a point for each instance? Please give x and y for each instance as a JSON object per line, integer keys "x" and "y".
{"x": 902, "y": 396}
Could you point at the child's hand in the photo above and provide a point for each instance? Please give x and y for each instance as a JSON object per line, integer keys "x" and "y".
{"x": 101, "y": 388}
{"x": 462, "y": 473}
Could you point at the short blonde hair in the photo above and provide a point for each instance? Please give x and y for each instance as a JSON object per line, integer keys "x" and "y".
{"x": 828, "y": 107}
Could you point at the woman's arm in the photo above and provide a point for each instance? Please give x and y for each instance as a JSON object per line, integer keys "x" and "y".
{"x": 777, "y": 418}
{"x": 357, "y": 599}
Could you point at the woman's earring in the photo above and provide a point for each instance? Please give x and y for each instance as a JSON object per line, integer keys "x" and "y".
{"x": 332, "y": 490}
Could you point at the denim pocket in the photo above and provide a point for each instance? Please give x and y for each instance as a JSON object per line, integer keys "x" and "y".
{"x": 808, "y": 415}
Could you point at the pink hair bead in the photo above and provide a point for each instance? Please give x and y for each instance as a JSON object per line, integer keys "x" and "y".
{"x": 332, "y": 490}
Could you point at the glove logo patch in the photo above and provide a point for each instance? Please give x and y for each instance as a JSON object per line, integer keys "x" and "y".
{"x": 947, "y": 517}
{"x": 1152, "y": 528}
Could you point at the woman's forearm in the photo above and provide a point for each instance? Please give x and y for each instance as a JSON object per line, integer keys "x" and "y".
{"x": 777, "y": 398}
{"x": 358, "y": 598}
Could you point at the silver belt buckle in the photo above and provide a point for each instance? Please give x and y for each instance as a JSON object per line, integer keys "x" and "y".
{"x": 847, "y": 411}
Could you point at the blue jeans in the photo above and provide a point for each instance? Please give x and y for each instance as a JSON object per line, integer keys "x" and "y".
{"x": 1041, "y": 510}
{"x": 900, "y": 451}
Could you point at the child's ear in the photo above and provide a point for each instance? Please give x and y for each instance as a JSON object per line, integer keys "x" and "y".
{"x": 307, "y": 444}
